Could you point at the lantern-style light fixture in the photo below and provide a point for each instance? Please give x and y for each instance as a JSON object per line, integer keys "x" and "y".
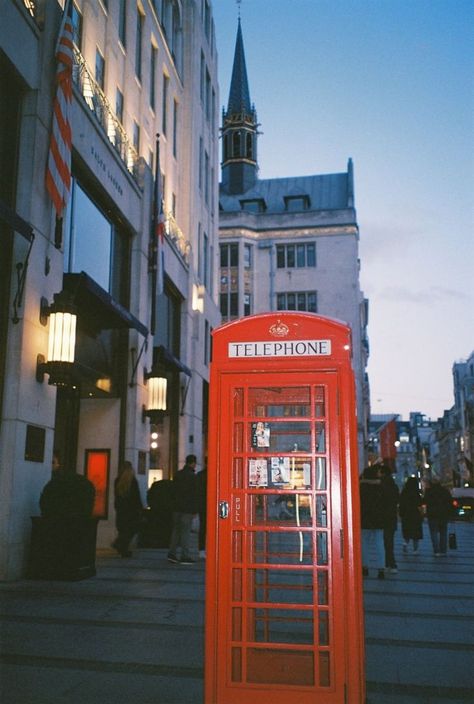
{"x": 61, "y": 340}
{"x": 157, "y": 387}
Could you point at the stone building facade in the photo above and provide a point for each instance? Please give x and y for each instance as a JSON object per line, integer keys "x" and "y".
{"x": 140, "y": 69}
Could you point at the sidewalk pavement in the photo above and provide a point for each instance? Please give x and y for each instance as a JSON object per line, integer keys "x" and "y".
{"x": 134, "y": 633}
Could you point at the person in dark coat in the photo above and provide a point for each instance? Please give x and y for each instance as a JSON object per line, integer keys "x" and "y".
{"x": 372, "y": 516}
{"x": 67, "y": 495}
{"x": 185, "y": 500}
{"x": 411, "y": 514}
{"x": 439, "y": 510}
{"x": 391, "y": 497}
{"x": 202, "y": 506}
{"x": 128, "y": 509}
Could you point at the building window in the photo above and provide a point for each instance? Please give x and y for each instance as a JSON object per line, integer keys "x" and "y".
{"x": 255, "y": 205}
{"x": 201, "y": 152}
{"x": 122, "y": 21}
{"x": 175, "y": 129}
{"x": 173, "y": 205}
{"x": 119, "y": 105}
{"x": 206, "y": 177}
{"x": 138, "y": 45}
{"x": 299, "y": 300}
{"x": 247, "y": 304}
{"x": 76, "y": 26}
{"x": 290, "y": 256}
{"x": 136, "y": 135}
{"x": 295, "y": 204}
{"x": 229, "y": 305}
{"x": 168, "y": 311}
{"x": 208, "y": 96}
{"x": 164, "y": 112}
{"x": 229, "y": 281}
{"x": 247, "y": 256}
{"x": 154, "y": 54}
{"x": 99, "y": 69}
{"x": 202, "y": 74}
{"x": 95, "y": 245}
{"x": 229, "y": 255}
{"x": 206, "y": 260}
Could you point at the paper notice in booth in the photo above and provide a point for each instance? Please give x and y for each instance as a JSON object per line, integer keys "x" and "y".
{"x": 258, "y": 472}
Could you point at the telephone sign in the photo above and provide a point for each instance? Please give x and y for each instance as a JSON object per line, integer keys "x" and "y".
{"x": 284, "y": 620}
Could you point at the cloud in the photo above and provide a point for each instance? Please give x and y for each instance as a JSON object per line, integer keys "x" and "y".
{"x": 425, "y": 297}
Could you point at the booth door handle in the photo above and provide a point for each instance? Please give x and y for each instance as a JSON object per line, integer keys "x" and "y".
{"x": 223, "y": 509}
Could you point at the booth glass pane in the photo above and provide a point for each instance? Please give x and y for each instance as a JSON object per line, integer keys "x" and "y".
{"x": 236, "y": 624}
{"x": 237, "y": 546}
{"x": 281, "y": 548}
{"x": 319, "y": 404}
{"x": 290, "y": 667}
{"x": 321, "y": 478}
{"x": 321, "y": 511}
{"x": 320, "y": 436}
{"x": 238, "y": 437}
{"x": 279, "y": 472}
{"x": 322, "y": 548}
{"x": 265, "y": 509}
{"x": 236, "y": 665}
{"x": 294, "y": 626}
{"x": 237, "y": 585}
{"x": 323, "y": 627}
{"x": 280, "y": 436}
{"x": 279, "y": 402}
{"x": 323, "y": 597}
{"x": 238, "y": 403}
{"x": 324, "y": 673}
{"x": 238, "y": 476}
{"x": 274, "y": 586}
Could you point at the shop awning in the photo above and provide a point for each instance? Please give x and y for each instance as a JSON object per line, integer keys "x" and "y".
{"x": 166, "y": 359}
{"x": 97, "y": 307}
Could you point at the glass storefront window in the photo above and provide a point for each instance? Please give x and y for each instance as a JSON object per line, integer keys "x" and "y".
{"x": 88, "y": 242}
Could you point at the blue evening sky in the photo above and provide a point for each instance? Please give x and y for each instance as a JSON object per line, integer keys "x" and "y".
{"x": 389, "y": 83}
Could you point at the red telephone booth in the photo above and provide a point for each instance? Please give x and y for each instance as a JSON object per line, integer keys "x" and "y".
{"x": 284, "y": 619}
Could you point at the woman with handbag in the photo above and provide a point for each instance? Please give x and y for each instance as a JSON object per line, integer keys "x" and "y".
{"x": 411, "y": 514}
{"x": 438, "y": 510}
{"x": 128, "y": 508}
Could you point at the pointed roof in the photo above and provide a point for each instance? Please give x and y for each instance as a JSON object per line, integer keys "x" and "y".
{"x": 239, "y": 96}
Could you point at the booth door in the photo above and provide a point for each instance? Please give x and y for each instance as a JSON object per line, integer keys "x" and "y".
{"x": 280, "y": 621}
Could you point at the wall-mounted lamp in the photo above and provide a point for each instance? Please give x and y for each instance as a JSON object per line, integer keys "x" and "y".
{"x": 156, "y": 403}
{"x": 61, "y": 340}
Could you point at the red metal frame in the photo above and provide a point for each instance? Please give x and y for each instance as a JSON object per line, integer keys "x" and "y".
{"x": 267, "y": 633}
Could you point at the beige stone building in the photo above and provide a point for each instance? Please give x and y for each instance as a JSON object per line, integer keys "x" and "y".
{"x": 141, "y": 68}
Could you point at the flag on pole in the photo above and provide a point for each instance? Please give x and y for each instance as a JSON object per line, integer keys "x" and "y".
{"x": 156, "y": 263}
{"x": 159, "y": 229}
{"x": 58, "y": 168}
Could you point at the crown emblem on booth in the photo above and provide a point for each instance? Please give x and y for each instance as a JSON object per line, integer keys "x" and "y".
{"x": 279, "y": 329}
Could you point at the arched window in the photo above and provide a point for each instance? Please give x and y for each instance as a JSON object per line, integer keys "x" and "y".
{"x": 236, "y": 144}
{"x": 249, "y": 149}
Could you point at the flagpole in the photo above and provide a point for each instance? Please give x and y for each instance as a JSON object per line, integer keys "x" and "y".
{"x": 153, "y": 245}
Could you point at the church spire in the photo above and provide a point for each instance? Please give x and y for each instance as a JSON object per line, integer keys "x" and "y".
{"x": 239, "y": 128}
{"x": 239, "y": 95}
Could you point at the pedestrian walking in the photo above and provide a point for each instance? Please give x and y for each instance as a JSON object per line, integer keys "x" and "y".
{"x": 411, "y": 514}
{"x": 439, "y": 510}
{"x": 391, "y": 498}
{"x": 128, "y": 509}
{"x": 202, "y": 506}
{"x": 372, "y": 512}
{"x": 185, "y": 507}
